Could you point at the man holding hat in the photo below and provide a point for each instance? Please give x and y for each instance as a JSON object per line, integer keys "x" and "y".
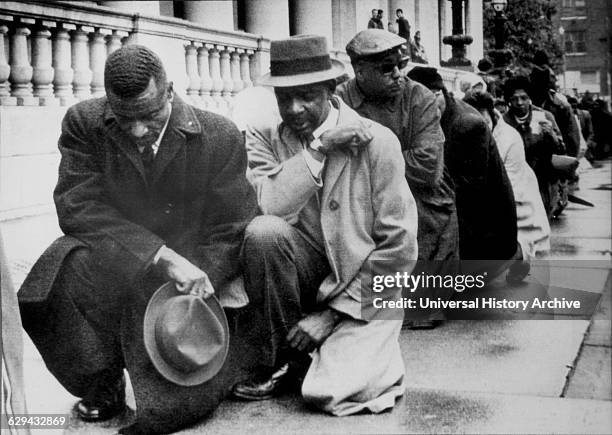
{"x": 139, "y": 172}
{"x": 337, "y": 211}
{"x": 380, "y": 92}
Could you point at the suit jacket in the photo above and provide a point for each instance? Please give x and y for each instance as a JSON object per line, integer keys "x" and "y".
{"x": 485, "y": 201}
{"x": 196, "y": 202}
{"x": 368, "y": 215}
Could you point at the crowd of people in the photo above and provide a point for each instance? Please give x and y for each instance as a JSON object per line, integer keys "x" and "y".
{"x": 313, "y": 190}
{"x": 413, "y": 47}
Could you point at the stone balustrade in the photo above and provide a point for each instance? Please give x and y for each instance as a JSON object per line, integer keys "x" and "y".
{"x": 53, "y": 54}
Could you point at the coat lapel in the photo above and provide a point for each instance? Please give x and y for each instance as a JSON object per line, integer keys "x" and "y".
{"x": 182, "y": 120}
{"x": 336, "y": 162}
{"x": 127, "y": 147}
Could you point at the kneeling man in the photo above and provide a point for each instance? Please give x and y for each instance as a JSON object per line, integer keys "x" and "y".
{"x": 337, "y": 210}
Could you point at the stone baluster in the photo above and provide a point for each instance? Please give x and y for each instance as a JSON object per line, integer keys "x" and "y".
{"x": 42, "y": 77}
{"x": 113, "y": 42}
{"x": 21, "y": 70}
{"x": 5, "y": 72}
{"x": 80, "y": 64}
{"x": 235, "y": 70}
{"x": 245, "y": 68}
{"x": 97, "y": 57}
{"x": 204, "y": 73}
{"x": 193, "y": 78}
{"x": 215, "y": 74}
{"x": 62, "y": 79}
{"x": 226, "y": 75}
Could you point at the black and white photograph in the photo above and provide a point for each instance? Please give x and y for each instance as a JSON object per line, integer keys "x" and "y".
{"x": 306, "y": 216}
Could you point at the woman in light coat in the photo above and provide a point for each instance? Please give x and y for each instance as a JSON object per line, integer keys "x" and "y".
{"x": 532, "y": 222}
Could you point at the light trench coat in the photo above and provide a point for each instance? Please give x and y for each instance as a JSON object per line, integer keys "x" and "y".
{"x": 533, "y": 229}
{"x": 368, "y": 218}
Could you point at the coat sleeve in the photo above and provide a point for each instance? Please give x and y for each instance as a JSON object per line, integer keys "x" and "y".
{"x": 233, "y": 205}
{"x": 424, "y": 152}
{"x": 83, "y": 210}
{"x": 283, "y": 187}
{"x": 394, "y": 230}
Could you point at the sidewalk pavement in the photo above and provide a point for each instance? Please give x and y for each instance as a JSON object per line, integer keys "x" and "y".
{"x": 487, "y": 376}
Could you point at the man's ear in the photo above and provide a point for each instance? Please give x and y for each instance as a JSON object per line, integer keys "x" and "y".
{"x": 170, "y": 91}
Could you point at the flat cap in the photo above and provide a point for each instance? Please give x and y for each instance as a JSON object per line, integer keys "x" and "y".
{"x": 371, "y": 42}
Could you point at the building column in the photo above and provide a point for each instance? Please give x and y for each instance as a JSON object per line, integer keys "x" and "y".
{"x": 213, "y": 14}
{"x": 474, "y": 27}
{"x": 313, "y": 17}
{"x": 269, "y": 18}
{"x": 134, "y": 7}
{"x": 344, "y": 18}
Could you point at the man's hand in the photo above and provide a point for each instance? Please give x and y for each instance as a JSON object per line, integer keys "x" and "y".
{"x": 187, "y": 277}
{"x": 310, "y": 332}
{"x": 351, "y": 137}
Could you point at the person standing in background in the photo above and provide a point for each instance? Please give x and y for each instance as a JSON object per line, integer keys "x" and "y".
{"x": 403, "y": 26}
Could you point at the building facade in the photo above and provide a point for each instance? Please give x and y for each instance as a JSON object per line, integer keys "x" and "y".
{"x": 584, "y": 28}
{"x": 52, "y": 55}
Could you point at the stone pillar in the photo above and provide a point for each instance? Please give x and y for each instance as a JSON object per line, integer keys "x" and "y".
{"x": 113, "y": 42}
{"x": 235, "y": 72}
{"x": 21, "y": 70}
{"x": 215, "y": 73}
{"x": 226, "y": 76}
{"x": 474, "y": 27}
{"x": 458, "y": 40}
{"x": 80, "y": 64}
{"x": 62, "y": 80}
{"x": 205, "y": 79}
{"x": 345, "y": 22}
{"x": 5, "y": 72}
{"x": 213, "y": 14}
{"x": 193, "y": 78}
{"x": 313, "y": 17}
{"x": 245, "y": 70}
{"x": 269, "y": 18}
{"x": 134, "y": 7}
{"x": 97, "y": 58}
{"x": 42, "y": 77}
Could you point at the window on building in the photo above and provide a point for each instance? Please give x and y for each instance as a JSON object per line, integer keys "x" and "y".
{"x": 574, "y": 3}
{"x": 589, "y": 77}
{"x": 575, "y": 42}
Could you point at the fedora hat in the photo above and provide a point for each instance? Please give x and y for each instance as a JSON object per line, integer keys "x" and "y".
{"x": 300, "y": 60}
{"x": 186, "y": 337}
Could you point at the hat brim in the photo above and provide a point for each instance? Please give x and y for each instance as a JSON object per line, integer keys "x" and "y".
{"x": 336, "y": 71}
{"x": 169, "y": 372}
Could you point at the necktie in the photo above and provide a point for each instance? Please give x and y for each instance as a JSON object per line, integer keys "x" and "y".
{"x": 147, "y": 155}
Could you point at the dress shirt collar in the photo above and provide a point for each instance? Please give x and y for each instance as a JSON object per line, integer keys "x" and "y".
{"x": 157, "y": 143}
{"x": 330, "y": 122}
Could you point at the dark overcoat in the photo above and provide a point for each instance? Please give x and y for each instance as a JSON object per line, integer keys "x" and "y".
{"x": 197, "y": 201}
{"x": 485, "y": 200}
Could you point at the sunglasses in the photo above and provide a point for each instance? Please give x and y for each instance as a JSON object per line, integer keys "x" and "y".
{"x": 389, "y": 67}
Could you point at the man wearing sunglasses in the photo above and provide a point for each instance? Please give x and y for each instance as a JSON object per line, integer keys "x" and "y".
{"x": 380, "y": 91}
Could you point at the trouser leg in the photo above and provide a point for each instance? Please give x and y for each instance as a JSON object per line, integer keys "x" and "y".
{"x": 76, "y": 328}
{"x": 283, "y": 272}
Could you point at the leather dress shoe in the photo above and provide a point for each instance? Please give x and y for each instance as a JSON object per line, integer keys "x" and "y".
{"x": 263, "y": 385}
{"x": 517, "y": 272}
{"x": 104, "y": 401}
{"x": 422, "y": 324}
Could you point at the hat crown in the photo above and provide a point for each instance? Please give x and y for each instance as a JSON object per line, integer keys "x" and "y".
{"x": 188, "y": 334}
{"x": 371, "y": 42}
{"x": 298, "y": 47}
